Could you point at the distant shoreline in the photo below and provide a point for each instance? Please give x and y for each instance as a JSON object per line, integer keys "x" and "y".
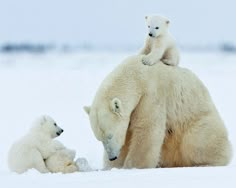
{"x": 40, "y": 48}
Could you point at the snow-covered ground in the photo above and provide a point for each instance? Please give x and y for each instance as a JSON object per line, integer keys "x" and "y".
{"x": 61, "y": 84}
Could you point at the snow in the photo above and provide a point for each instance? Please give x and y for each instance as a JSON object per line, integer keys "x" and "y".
{"x": 60, "y": 84}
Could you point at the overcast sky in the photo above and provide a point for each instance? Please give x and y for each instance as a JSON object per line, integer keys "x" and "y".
{"x": 116, "y": 22}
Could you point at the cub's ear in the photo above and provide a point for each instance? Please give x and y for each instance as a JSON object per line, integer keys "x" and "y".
{"x": 43, "y": 119}
{"x": 116, "y": 106}
{"x": 87, "y": 109}
{"x": 146, "y": 17}
{"x": 167, "y": 22}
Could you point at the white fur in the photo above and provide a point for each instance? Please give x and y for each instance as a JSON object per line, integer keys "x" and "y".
{"x": 161, "y": 45}
{"x": 31, "y": 150}
{"x": 157, "y": 116}
{"x": 83, "y": 165}
{"x": 62, "y": 161}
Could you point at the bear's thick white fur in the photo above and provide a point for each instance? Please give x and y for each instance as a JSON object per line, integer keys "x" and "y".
{"x": 62, "y": 161}
{"x": 159, "y": 44}
{"x": 36, "y": 146}
{"x": 159, "y": 116}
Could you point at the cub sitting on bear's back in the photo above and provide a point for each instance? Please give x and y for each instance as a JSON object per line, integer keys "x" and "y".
{"x": 159, "y": 44}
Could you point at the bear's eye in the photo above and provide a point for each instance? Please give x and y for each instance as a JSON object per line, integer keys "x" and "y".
{"x": 149, "y": 26}
{"x": 55, "y": 124}
{"x": 156, "y": 27}
{"x": 109, "y": 136}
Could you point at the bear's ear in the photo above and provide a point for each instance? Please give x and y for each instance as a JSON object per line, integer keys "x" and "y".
{"x": 167, "y": 22}
{"x": 87, "y": 109}
{"x": 116, "y": 106}
{"x": 146, "y": 17}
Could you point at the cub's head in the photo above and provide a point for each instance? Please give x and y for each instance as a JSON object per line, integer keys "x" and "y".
{"x": 46, "y": 125}
{"x": 157, "y": 25}
{"x": 109, "y": 123}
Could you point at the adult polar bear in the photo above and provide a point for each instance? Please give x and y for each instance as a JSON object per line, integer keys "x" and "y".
{"x": 159, "y": 116}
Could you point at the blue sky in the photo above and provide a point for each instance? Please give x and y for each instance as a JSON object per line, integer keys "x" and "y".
{"x": 117, "y": 22}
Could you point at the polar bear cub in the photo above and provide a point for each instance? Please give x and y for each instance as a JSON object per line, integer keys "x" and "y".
{"x": 159, "y": 44}
{"x": 62, "y": 161}
{"x": 36, "y": 146}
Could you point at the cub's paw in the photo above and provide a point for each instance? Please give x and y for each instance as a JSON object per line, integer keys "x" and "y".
{"x": 147, "y": 61}
{"x": 169, "y": 62}
{"x": 70, "y": 168}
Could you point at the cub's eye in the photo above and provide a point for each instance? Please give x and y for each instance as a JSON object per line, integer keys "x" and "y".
{"x": 156, "y": 27}
{"x": 149, "y": 26}
{"x": 55, "y": 124}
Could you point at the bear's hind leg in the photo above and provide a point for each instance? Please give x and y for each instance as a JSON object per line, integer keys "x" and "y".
{"x": 38, "y": 162}
{"x": 206, "y": 144}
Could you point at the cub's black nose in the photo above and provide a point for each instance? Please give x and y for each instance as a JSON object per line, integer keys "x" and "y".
{"x": 112, "y": 159}
{"x": 150, "y": 34}
{"x": 62, "y": 130}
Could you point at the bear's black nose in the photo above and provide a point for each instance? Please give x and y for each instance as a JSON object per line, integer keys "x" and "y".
{"x": 150, "y": 34}
{"x": 62, "y": 130}
{"x": 112, "y": 159}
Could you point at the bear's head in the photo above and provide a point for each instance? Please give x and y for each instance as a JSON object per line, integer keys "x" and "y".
{"x": 115, "y": 101}
{"x": 109, "y": 121}
{"x": 157, "y": 25}
{"x": 46, "y": 125}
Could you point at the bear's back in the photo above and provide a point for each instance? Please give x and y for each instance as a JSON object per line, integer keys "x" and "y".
{"x": 185, "y": 94}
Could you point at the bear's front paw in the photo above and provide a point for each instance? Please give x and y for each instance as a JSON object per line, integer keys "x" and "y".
{"x": 147, "y": 61}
